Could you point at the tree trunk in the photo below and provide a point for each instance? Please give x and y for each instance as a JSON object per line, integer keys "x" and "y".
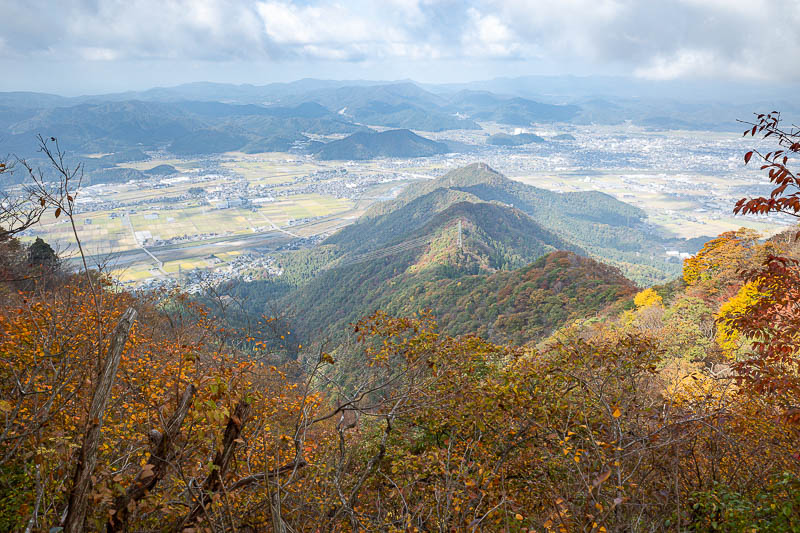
{"x": 213, "y": 483}
{"x": 87, "y": 457}
{"x": 163, "y": 453}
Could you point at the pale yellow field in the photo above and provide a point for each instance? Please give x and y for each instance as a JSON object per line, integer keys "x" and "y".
{"x": 132, "y": 274}
{"x": 269, "y": 172}
{"x": 172, "y": 267}
{"x": 99, "y": 233}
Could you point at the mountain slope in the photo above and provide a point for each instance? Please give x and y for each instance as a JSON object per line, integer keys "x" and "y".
{"x": 463, "y": 245}
{"x": 385, "y": 273}
{"x": 609, "y": 230}
{"x": 522, "y": 305}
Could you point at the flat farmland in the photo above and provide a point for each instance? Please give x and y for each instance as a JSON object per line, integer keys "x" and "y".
{"x": 154, "y": 228}
{"x": 100, "y": 232}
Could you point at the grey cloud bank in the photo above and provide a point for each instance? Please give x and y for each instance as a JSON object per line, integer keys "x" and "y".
{"x": 89, "y": 46}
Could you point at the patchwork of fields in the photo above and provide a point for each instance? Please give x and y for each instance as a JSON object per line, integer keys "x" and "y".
{"x": 210, "y": 201}
{"x": 215, "y": 200}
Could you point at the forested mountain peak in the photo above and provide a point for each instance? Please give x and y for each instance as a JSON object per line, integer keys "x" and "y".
{"x": 606, "y": 228}
{"x": 501, "y": 236}
{"x": 438, "y": 238}
{"x": 474, "y": 174}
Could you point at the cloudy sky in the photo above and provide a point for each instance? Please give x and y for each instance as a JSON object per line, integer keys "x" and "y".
{"x": 90, "y": 46}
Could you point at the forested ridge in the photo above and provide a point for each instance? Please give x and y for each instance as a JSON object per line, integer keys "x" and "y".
{"x": 403, "y": 254}
{"x": 483, "y": 378}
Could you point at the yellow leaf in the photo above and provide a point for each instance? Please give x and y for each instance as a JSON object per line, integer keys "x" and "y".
{"x": 617, "y": 413}
{"x": 518, "y": 516}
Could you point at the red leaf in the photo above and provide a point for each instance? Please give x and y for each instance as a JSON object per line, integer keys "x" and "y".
{"x": 747, "y": 157}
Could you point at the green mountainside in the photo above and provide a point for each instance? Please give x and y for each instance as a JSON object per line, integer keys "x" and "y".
{"x": 425, "y": 267}
{"x": 607, "y": 229}
{"x": 458, "y": 246}
{"x": 522, "y": 305}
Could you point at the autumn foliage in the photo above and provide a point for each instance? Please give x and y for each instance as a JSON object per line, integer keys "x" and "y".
{"x": 677, "y": 410}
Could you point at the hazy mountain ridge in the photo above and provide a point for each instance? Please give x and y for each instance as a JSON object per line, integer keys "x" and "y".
{"x": 182, "y": 127}
{"x": 660, "y": 105}
{"x": 204, "y": 118}
{"x": 390, "y": 143}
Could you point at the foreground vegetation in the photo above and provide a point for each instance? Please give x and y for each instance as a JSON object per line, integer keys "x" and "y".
{"x": 676, "y": 412}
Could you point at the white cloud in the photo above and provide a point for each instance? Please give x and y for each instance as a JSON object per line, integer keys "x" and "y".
{"x": 488, "y": 36}
{"x": 697, "y": 64}
{"x": 288, "y": 24}
{"x": 98, "y": 54}
{"x": 663, "y": 39}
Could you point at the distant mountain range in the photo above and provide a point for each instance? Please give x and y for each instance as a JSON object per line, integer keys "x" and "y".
{"x": 181, "y": 127}
{"x": 430, "y": 107}
{"x": 214, "y": 118}
{"x": 210, "y": 118}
